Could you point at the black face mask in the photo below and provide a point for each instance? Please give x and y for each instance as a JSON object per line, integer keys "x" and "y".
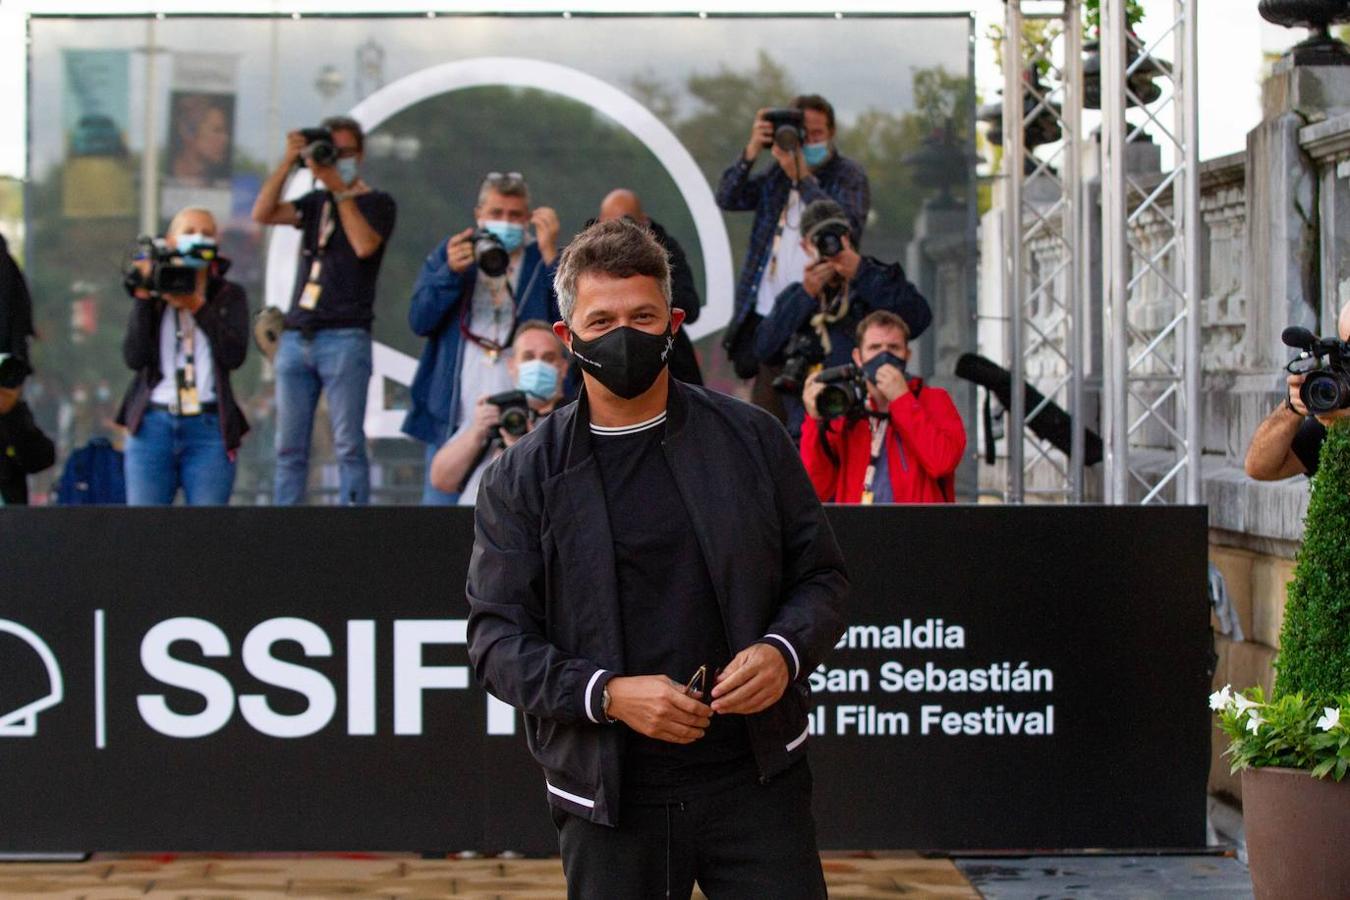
{"x": 885, "y": 357}
{"x": 625, "y": 360}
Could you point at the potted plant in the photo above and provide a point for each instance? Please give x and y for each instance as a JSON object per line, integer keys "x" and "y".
{"x": 1293, "y": 749}
{"x": 1041, "y": 125}
{"x": 1140, "y": 80}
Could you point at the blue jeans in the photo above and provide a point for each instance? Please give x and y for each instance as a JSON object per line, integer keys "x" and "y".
{"x": 168, "y": 452}
{"x": 430, "y": 495}
{"x": 337, "y": 361}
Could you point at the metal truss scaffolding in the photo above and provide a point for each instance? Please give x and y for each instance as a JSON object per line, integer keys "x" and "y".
{"x": 1151, "y": 269}
{"x": 1150, "y": 258}
{"x": 1043, "y": 276}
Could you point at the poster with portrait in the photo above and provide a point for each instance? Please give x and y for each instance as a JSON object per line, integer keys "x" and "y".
{"x": 199, "y": 152}
{"x": 98, "y": 178}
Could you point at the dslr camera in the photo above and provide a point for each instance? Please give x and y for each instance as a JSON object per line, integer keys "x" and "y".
{"x": 170, "y": 272}
{"x": 319, "y": 147}
{"x": 801, "y": 353}
{"x": 489, "y": 253}
{"x": 829, "y": 239}
{"x": 516, "y": 414}
{"x": 789, "y": 127}
{"x": 1325, "y": 365}
{"x": 844, "y": 392}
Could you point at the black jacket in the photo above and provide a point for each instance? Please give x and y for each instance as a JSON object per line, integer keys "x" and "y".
{"x": 24, "y": 450}
{"x": 16, "y": 306}
{"x": 223, "y": 318}
{"x": 544, "y": 628}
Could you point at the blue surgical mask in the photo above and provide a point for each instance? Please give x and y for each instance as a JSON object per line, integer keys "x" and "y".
{"x": 537, "y": 378}
{"x": 203, "y": 245}
{"x": 510, "y": 234}
{"x": 815, "y": 154}
{"x": 346, "y": 169}
{"x": 885, "y": 357}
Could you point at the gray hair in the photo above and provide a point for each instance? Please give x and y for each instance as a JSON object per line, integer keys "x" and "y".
{"x": 508, "y": 184}
{"x": 618, "y": 248}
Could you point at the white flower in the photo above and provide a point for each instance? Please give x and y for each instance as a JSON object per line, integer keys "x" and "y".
{"x": 1220, "y": 699}
{"x": 1331, "y": 717}
{"x": 1254, "y": 721}
{"x": 1243, "y": 704}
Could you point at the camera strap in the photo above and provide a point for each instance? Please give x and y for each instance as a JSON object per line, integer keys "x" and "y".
{"x": 328, "y": 221}
{"x": 778, "y": 231}
{"x": 492, "y": 346}
{"x": 878, "y": 424}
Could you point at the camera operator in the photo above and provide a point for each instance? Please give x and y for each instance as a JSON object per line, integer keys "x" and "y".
{"x": 182, "y": 422}
{"x": 900, "y": 442}
{"x": 1289, "y": 440}
{"x": 16, "y": 306}
{"x": 807, "y": 168}
{"x": 473, "y": 290}
{"x": 24, "y": 449}
{"x": 326, "y": 344}
{"x": 537, "y": 363}
{"x": 814, "y": 320}
{"x": 683, "y": 363}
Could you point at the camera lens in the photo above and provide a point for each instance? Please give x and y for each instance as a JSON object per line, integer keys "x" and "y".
{"x": 491, "y": 257}
{"x": 1323, "y": 392}
{"x": 786, "y": 137}
{"x": 832, "y": 401}
{"x": 515, "y": 421}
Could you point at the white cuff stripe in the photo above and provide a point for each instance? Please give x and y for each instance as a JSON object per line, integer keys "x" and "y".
{"x": 590, "y": 686}
{"x": 578, "y": 800}
{"x": 796, "y": 662}
{"x": 799, "y": 740}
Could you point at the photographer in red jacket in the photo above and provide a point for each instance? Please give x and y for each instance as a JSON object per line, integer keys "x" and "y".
{"x": 889, "y": 438}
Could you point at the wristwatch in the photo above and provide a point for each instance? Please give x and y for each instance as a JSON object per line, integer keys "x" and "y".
{"x": 344, "y": 195}
{"x": 604, "y": 705}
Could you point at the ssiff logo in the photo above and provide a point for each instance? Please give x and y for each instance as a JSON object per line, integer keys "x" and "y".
{"x": 22, "y": 722}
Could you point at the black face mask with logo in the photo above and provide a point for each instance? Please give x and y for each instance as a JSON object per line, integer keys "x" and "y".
{"x": 625, "y": 360}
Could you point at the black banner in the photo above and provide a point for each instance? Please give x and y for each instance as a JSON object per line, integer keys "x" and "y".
{"x": 264, "y": 679}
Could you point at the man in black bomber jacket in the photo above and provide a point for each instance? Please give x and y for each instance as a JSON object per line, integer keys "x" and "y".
{"x": 652, "y": 581}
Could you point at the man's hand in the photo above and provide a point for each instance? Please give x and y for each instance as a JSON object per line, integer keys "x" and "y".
{"x": 546, "y": 228}
{"x": 793, "y": 164}
{"x": 891, "y": 383}
{"x": 486, "y": 417}
{"x": 459, "y": 252}
{"x": 186, "y": 302}
{"x": 327, "y": 176}
{"x": 1295, "y": 383}
{"x": 810, "y": 391}
{"x": 9, "y": 398}
{"x": 657, "y": 707}
{"x": 761, "y": 133}
{"x": 295, "y": 142}
{"x": 751, "y": 682}
{"x": 845, "y": 262}
{"x": 816, "y": 276}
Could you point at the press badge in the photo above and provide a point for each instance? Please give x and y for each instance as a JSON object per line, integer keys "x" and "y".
{"x": 309, "y": 297}
{"x": 189, "y": 403}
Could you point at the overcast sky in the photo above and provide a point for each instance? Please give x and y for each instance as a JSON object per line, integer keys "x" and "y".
{"x": 1232, "y": 38}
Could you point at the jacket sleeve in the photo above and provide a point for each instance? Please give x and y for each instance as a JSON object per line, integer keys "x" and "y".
{"x": 737, "y": 191}
{"x": 850, "y": 190}
{"x": 791, "y": 310}
{"x": 23, "y": 443}
{"x": 884, "y": 286}
{"x": 683, "y": 292}
{"x": 932, "y": 427}
{"x": 436, "y": 295}
{"x": 511, "y": 656}
{"x": 225, "y": 322}
{"x": 139, "y": 343}
{"x": 820, "y": 468}
{"x": 815, "y": 583}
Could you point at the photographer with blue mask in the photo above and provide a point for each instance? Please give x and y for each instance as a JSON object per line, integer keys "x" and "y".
{"x": 183, "y": 425}
{"x": 537, "y": 364}
{"x": 474, "y": 289}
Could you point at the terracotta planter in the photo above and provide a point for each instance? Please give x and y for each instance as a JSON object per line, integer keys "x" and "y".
{"x": 1298, "y": 829}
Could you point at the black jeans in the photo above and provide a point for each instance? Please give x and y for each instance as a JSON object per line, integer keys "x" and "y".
{"x": 754, "y": 840}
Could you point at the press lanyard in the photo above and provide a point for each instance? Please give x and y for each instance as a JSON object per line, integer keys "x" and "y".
{"x": 327, "y": 225}
{"x": 778, "y": 233}
{"x": 878, "y": 426}
{"x": 490, "y": 346}
{"x": 189, "y": 402}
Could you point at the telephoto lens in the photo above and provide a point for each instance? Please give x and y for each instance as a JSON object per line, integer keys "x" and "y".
{"x": 489, "y": 254}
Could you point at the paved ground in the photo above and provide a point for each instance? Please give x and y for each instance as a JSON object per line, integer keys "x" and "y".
{"x": 199, "y": 878}
{"x": 1109, "y": 878}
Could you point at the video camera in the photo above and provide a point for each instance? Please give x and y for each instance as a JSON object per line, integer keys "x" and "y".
{"x": 1325, "y": 365}
{"x": 801, "y": 353}
{"x": 789, "y": 127}
{"x": 319, "y": 147}
{"x": 171, "y": 272}
{"x": 13, "y": 370}
{"x": 489, "y": 253}
{"x": 516, "y": 414}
